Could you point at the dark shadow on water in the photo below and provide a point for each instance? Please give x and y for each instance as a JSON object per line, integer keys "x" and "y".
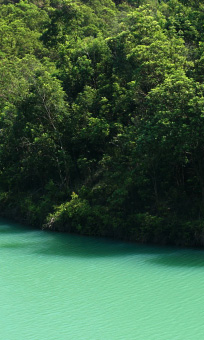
{"x": 10, "y": 227}
{"x": 65, "y": 245}
{"x": 91, "y": 247}
{"x": 185, "y": 258}
{"x": 87, "y": 247}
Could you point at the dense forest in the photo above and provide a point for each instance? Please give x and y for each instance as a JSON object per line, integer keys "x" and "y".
{"x": 102, "y": 117}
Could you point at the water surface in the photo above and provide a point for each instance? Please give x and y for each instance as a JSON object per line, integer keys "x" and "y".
{"x": 67, "y": 287}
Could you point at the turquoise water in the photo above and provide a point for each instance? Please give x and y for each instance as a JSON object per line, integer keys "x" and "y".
{"x": 66, "y": 287}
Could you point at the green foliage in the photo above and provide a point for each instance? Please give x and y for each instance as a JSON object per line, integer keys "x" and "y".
{"x": 101, "y": 117}
{"x": 21, "y": 26}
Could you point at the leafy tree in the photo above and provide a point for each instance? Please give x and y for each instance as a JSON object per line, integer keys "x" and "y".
{"x": 101, "y": 117}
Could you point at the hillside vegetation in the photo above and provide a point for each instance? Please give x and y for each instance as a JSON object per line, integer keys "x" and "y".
{"x": 102, "y": 117}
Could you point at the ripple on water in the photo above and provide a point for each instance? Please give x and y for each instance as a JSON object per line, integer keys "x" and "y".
{"x": 60, "y": 287}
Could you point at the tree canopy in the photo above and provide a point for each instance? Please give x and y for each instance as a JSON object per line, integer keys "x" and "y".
{"x": 102, "y": 117}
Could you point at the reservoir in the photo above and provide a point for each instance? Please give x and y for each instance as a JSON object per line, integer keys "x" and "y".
{"x": 67, "y": 287}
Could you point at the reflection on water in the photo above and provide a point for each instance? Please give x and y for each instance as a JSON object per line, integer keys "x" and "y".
{"x": 60, "y": 286}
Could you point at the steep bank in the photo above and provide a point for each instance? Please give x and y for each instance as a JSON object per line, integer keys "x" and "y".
{"x": 81, "y": 219}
